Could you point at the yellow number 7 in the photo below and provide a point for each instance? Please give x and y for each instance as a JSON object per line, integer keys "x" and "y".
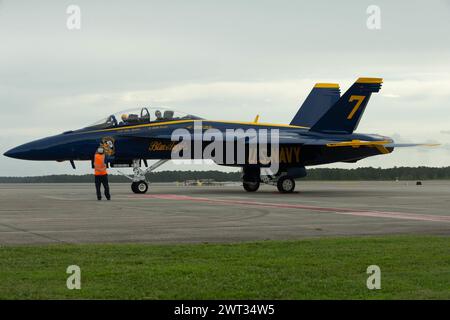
{"x": 359, "y": 100}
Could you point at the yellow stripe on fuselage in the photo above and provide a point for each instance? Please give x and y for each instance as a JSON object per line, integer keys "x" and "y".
{"x": 261, "y": 124}
{"x": 156, "y": 124}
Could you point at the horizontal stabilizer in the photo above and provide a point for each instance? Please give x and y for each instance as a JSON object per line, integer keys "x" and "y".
{"x": 404, "y": 145}
{"x": 385, "y": 143}
{"x": 359, "y": 143}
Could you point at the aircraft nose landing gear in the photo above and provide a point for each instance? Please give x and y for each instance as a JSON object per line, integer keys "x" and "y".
{"x": 139, "y": 186}
{"x": 140, "y": 183}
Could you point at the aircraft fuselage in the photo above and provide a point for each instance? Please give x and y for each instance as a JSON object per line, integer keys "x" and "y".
{"x": 152, "y": 141}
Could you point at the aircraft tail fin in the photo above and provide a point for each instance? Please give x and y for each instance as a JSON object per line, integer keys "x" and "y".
{"x": 321, "y": 98}
{"x": 345, "y": 114}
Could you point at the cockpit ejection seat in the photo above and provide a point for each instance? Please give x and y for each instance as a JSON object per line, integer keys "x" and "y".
{"x": 133, "y": 118}
{"x": 168, "y": 115}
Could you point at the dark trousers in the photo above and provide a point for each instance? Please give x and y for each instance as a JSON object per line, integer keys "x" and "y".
{"x": 102, "y": 180}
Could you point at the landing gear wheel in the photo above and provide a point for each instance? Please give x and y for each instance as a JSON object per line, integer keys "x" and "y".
{"x": 286, "y": 184}
{"x": 251, "y": 186}
{"x": 139, "y": 187}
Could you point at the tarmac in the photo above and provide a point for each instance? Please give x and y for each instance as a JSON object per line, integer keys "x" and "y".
{"x": 70, "y": 213}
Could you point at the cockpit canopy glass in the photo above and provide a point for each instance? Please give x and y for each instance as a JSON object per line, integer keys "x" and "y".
{"x": 141, "y": 116}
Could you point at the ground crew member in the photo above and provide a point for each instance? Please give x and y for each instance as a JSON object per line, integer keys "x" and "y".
{"x": 101, "y": 175}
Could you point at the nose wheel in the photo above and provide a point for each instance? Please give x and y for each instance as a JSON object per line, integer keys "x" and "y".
{"x": 139, "y": 181}
{"x": 139, "y": 187}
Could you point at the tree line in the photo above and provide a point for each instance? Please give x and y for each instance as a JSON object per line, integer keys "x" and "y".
{"x": 368, "y": 173}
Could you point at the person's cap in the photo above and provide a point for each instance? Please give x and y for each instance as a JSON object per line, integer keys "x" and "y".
{"x": 100, "y": 150}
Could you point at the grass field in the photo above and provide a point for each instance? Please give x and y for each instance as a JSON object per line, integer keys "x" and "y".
{"x": 331, "y": 268}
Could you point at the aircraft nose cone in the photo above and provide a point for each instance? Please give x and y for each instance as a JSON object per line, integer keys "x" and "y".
{"x": 9, "y": 153}
{"x": 29, "y": 151}
{"x": 18, "y": 153}
{"x": 50, "y": 148}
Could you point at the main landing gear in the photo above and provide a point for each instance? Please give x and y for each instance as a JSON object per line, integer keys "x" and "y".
{"x": 251, "y": 186}
{"x": 252, "y": 179}
{"x": 286, "y": 184}
{"x": 140, "y": 183}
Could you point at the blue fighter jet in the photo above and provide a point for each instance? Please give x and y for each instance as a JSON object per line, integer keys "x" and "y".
{"x": 321, "y": 132}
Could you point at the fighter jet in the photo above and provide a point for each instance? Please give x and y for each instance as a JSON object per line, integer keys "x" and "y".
{"x": 321, "y": 132}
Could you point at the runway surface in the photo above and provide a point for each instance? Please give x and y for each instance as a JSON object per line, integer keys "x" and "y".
{"x": 70, "y": 213}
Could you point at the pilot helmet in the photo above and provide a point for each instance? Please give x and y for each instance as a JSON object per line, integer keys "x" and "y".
{"x": 158, "y": 114}
{"x": 100, "y": 150}
{"x": 124, "y": 117}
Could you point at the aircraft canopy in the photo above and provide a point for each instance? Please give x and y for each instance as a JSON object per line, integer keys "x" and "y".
{"x": 141, "y": 116}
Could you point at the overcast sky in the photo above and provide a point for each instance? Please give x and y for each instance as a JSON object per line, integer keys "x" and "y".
{"x": 222, "y": 60}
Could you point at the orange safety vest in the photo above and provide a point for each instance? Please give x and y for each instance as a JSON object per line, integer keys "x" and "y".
{"x": 99, "y": 165}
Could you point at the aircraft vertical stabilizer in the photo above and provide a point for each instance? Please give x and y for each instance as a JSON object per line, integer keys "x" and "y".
{"x": 321, "y": 98}
{"x": 345, "y": 114}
